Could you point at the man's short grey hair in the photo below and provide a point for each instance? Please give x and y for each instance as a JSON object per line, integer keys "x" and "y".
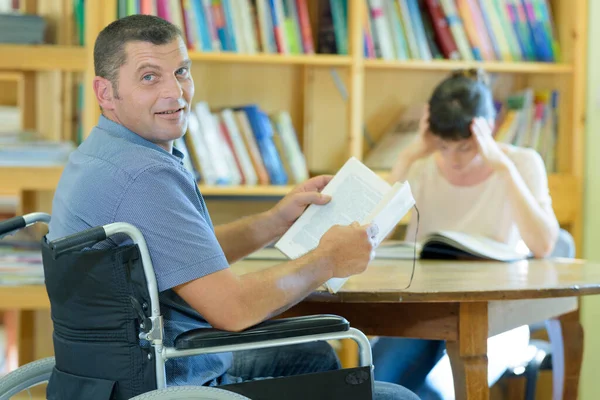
{"x": 109, "y": 49}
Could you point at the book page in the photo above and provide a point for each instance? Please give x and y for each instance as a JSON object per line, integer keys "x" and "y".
{"x": 355, "y": 191}
{"x": 392, "y": 207}
{"x": 397, "y": 250}
{"x": 478, "y": 246}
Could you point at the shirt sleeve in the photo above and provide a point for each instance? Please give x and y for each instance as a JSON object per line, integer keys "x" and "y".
{"x": 165, "y": 207}
{"x": 533, "y": 171}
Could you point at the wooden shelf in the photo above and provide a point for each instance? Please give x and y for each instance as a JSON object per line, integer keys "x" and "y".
{"x": 42, "y": 58}
{"x": 241, "y": 191}
{"x": 46, "y": 178}
{"x": 276, "y": 59}
{"x": 447, "y": 65}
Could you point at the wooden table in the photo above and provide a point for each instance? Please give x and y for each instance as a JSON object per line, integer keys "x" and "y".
{"x": 461, "y": 302}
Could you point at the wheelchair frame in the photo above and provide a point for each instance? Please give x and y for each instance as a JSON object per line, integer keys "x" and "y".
{"x": 155, "y": 334}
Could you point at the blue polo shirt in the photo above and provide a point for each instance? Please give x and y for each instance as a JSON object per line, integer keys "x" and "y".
{"x": 116, "y": 175}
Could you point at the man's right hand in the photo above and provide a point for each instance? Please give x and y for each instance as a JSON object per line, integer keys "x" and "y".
{"x": 348, "y": 249}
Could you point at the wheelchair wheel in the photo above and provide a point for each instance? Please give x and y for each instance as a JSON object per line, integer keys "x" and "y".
{"x": 25, "y": 377}
{"x": 189, "y": 393}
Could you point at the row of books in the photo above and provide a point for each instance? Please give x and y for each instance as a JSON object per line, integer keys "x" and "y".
{"x": 481, "y": 30}
{"x": 242, "y": 26}
{"x": 242, "y": 146}
{"x": 527, "y": 118}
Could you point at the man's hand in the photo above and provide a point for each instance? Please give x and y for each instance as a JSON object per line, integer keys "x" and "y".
{"x": 490, "y": 150}
{"x": 294, "y": 203}
{"x": 348, "y": 249}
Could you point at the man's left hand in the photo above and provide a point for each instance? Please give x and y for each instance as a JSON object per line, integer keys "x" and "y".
{"x": 294, "y": 203}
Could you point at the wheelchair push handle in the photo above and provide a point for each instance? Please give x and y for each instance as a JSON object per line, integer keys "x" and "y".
{"x": 11, "y": 225}
{"x": 78, "y": 241}
{"x": 19, "y": 222}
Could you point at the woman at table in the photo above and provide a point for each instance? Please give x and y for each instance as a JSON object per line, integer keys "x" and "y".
{"x": 462, "y": 180}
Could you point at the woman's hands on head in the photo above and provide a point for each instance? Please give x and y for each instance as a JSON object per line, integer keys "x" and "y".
{"x": 422, "y": 146}
{"x": 492, "y": 152}
{"x": 424, "y": 143}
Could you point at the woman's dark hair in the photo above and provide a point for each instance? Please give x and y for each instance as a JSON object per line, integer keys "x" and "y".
{"x": 455, "y": 102}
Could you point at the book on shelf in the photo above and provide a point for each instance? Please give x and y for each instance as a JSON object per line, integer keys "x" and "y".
{"x": 243, "y": 145}
{"x": 357, "y": 194}
{"x": 400, "y": 134}
{"x": 238, "y": 26}
{"x": 481, "y": 30}
{"x": 451, "y": 245}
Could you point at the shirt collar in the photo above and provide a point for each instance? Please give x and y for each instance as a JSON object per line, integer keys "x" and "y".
{"x": 121, "y": 131}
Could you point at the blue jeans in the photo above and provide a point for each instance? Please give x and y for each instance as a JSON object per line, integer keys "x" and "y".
{"x": 407, "y": 362}
{"x": 300, "y": 359}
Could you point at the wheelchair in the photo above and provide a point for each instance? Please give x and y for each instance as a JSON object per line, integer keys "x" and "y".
{"x": 108, "y": 331}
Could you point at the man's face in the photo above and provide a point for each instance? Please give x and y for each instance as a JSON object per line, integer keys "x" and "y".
{"x": 154, "y": 91}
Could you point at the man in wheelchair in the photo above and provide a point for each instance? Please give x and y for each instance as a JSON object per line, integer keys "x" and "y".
{"x": 127, "y": 170}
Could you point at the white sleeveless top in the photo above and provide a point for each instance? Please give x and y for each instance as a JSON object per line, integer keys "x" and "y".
{"x": 482, "y": 209}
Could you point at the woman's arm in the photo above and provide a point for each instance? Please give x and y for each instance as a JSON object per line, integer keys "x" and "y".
{"x": 422, "y": 146}
{"x": 535, "y": 219}
{"x": 537, "y": 224}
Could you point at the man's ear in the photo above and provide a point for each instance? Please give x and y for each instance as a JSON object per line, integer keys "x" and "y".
{"x": 105, "y": 95}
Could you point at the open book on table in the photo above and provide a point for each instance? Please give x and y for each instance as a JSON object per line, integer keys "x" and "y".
{"x": 358, "y": 194}
{"x": 447, "y": 245}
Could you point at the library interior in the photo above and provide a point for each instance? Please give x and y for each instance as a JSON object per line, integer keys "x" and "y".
{"x": 299, "y": 199}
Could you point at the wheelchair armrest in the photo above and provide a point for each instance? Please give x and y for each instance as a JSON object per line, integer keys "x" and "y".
{"x": 268, "y": 330}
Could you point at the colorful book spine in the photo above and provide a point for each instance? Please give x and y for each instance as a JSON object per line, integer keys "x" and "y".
{"x": 415, "y": 16}
{"x": 202, "y": 31}
{"x": 278, "y": 29}
{"x": 507, "y": 29}
{"x": 396, "y": 31}
{"x": 443, "y": 35}
{"x": 409, "y": 29}
{"x": 487, "y": 44}
{"x": 457, "y": 28}
{"x": 495, "y": 29}
{"x": 519, "y": 20}
{"x": 340, "y": 25}
{"x": 232, "y": 44}
{"x": 471, "y": 30}
{"x": 305, "y": 28}
{"x": 381, "y": 29}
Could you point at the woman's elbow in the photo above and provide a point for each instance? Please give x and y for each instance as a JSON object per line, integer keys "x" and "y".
{"x": 542, "y": 252}
{"x": 546, "y": 246}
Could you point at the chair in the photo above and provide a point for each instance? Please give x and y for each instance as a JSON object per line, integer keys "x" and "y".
{"x": 540, "y": 355}
{"x": 108, "y": 331}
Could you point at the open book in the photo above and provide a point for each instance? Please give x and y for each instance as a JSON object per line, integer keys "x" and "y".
{"x": 446, "y": 245}
{"x": 358, "y": 194}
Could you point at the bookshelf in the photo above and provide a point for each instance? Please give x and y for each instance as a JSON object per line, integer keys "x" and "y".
{"x": 330, "y": 127}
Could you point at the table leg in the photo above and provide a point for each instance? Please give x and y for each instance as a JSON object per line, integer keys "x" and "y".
{"x": 468, "y": 355}
{"x": 566, "y": 338}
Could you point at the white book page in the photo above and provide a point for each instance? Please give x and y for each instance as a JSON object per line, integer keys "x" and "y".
{"x": 392, "y": 207}
{"x": 482, "y": 246}
{"x": 355, "y": 191}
